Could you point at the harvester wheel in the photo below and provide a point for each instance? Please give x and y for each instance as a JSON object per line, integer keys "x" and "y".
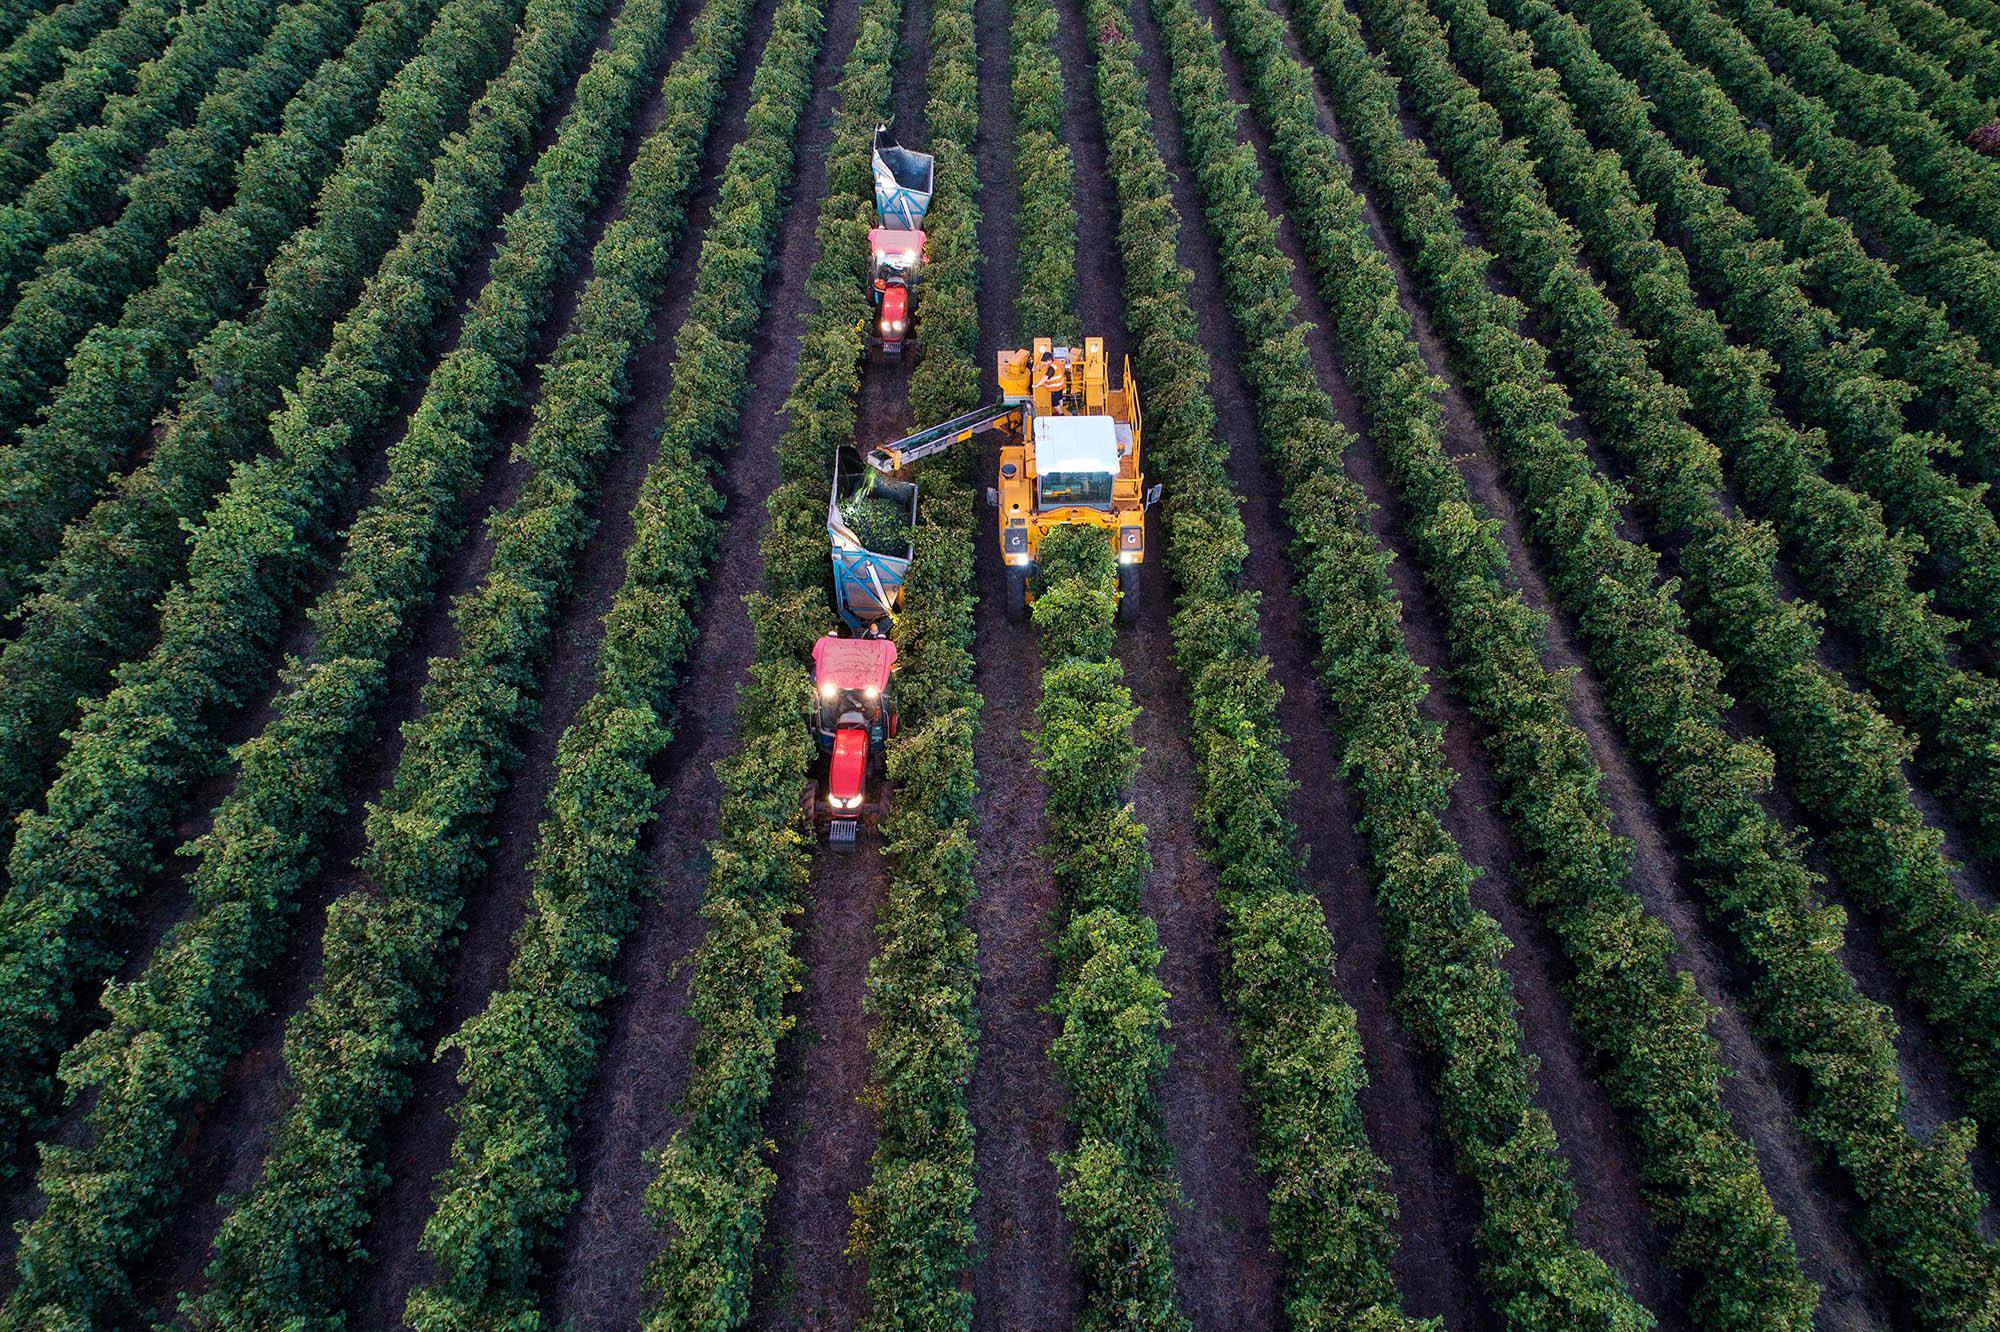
{"x": 1017, "y": 595}
{"x": 1128, "y": 594}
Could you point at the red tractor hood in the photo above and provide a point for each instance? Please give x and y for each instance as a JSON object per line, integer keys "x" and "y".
{"x": 853, "y": 663}
{"x": 847, "y": 779}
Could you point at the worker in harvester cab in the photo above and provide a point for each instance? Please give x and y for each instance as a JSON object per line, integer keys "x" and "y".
{"x": 1054, "y": 378}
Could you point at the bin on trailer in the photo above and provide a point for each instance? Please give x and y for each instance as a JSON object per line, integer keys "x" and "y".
{"x": 868, "y": 583}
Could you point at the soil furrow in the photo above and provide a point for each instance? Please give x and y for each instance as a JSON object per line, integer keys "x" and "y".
{"x": 1763, "y": 1095}
{"x": 1022, "y": 1280}
{"x": 1226, "y": 1272}
{"x": 1436, "y": 1261}
{"x": 222, "y": 1136}
{"x": 1611, "y": 1217}
{"x": 823, "y": 1131}
{"x": 632, "y": 1106}
{"x": 419, "y": 1138}
{"x": 825, "y": 1135}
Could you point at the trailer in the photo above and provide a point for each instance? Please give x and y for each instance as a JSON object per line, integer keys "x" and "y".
{"x": 869, "y": 519}
{"x": 903, "y": 181}
{"x": 867, "y": 570}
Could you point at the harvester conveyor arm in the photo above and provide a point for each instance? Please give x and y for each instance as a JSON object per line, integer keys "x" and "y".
{"x": 899, "y": 453}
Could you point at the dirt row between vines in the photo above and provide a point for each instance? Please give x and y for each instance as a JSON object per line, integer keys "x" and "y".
{"x": 1022, "y": 1277}
{"x": 824, "y": 1133}
{"x": 632, "y": 1107}
{"x": 232, "y": 1133}
{"x": 1762, "y": 1093}
{"x": 1934, "y": 1096}
{"x": 1437, "y": 1268}
{"x": 1226, "y": 1272}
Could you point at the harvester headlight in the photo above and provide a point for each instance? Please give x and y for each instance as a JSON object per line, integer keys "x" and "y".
{"x": 1017, "y": 559}
{"x": 1129, "y": 557}
{"x": 829, "y": 691}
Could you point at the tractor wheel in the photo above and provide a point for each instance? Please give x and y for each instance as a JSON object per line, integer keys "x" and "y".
{"x": 1128, "y": 594}
{"x": 1017, "y": 595}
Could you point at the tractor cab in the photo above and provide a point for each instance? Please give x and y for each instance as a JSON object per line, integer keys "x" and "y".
{"x": 854, "y": 715}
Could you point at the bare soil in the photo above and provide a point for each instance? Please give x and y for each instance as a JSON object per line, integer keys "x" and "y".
{"x": 226, "y": 1146}
{"x": 825, "y": 1135}
{"x": 1022, "y": 1278}
{"x": 823, "y": 1131}
{"x": 596, "y": 1278}
{"x": 163, "y": 901}
{"x": 1226, "y": 1272}
{"x": 1761, "y": 1096}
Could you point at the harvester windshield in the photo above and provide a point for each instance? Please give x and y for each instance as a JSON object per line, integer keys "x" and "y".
{"x": 1091, "y": 489}
{"x": 1076, "y": 460}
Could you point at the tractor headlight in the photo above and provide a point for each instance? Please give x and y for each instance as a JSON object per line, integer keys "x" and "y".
{"x": 829, "y": 691}
{"x": 871, "y": 693}
{"x": 892, "y": 325}
{"x": 846, "y": 802}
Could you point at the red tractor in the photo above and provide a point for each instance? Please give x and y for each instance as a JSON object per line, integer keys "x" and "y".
{"x": 854, "y": 715}
{"x": 896, "y": 257}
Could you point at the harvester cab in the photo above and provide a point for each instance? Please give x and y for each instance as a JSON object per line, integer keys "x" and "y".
{"x": 896, "y": 245}
{"x": 854, "y": 714}
{"x": 1069, "y": 457}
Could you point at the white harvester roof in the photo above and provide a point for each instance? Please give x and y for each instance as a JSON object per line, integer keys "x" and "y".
{"x": 1075, "y": 444}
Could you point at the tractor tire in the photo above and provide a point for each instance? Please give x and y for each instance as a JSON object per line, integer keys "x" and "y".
{"x": 1017, "y": 595}
{"x": 1128, "y": 594}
